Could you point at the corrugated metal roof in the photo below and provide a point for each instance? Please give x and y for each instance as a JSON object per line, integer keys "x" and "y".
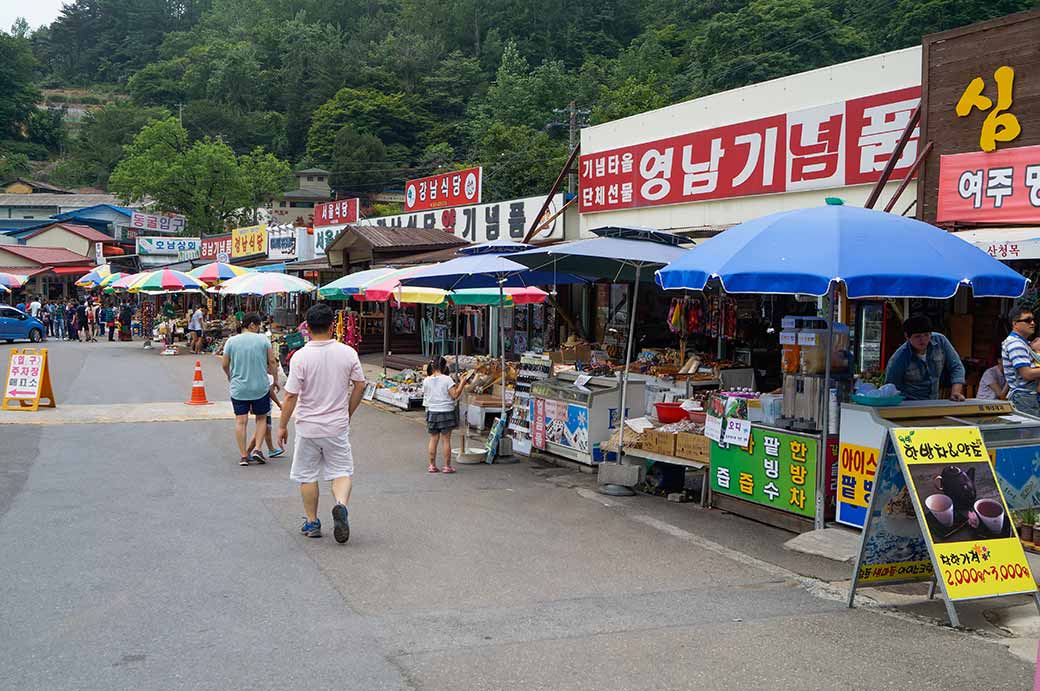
{"x": 442, "y": 255}
{"x": 62, "y": 200}
{"x": 45, "y": 255}
{"x": 389, "y": 236}
{"x": 85, "y": 232}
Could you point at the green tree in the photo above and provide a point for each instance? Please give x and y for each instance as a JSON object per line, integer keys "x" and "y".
{"x": 390, "y": 117}
{"x": 16, "y": 84}
{"x": 359, "y": 162}
{"x": 518, "y": 161}
{"x": 13, "y": 165}
{"x": 202, "y": 180}
{"x": 265, "y": 177}
{"x": 767, "y": 39}
{"x": 98, "y": 146}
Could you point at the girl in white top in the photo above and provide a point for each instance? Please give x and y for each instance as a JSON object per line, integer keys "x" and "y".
{"x": 440, "y": 393}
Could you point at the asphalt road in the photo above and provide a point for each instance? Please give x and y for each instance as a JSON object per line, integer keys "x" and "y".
{"x": 141, "y": 556}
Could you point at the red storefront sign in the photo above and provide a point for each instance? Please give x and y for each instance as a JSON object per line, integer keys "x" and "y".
{"x": 840, "y": 144}
{"x": 457, "y": 188}
{"x": 998, "y": 187}
{"x": 336, "y": 213}
{"x": 216, "y": 248}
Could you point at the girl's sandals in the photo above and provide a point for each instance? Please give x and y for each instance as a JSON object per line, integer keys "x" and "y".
{"x": 447, "y": 469}
{"x": 433, "y": 469}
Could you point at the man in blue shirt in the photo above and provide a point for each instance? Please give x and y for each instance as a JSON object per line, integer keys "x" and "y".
{"x": 1017, "y": 359}
{"x": 927, "y": 359}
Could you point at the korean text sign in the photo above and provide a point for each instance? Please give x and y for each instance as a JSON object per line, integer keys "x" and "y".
{"x": 457, "y": 188}
{"x": 775, "y": 469}
{"x": 23, "y": 376}
{"x": 167, "y": 245}
{"x": 483, "y": 222}
{"x": 892, "y": 550}
{"x": 249, "y": 241}
{"x": 157, "y": 222}
{"x": 335, "y": 213}
{"x": 962, "y": 512}
{"x": 28, "y": 381}
{"x": 840, "y": 144}
{"x": 216, "y": 248}
{"x": 998, "y": 187}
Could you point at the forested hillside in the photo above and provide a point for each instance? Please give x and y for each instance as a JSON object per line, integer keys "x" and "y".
{"x": 381, "y": 90}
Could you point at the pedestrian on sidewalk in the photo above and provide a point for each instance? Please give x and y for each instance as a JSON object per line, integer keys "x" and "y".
{"x": 273, "y": 451}
{"x": 72, "y": 320}
{"x": 440, "y": 398}
{"x": 248, "y": 359}
{"x": 325, "y": 387}
{"x": 58, "y": 321}
{"x": 195, "y": 329}
{"x": 126, "y": 318}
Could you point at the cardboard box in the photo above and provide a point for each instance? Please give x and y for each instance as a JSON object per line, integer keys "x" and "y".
{"x": 572, "y": 354}
{"x": 693, "y": 447}
{"x": 659, "y": 442}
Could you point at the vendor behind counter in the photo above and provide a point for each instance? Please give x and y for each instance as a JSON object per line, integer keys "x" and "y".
{"x": 925, "y": 361}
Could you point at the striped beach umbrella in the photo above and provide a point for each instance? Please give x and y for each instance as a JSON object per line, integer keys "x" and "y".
{"x": 8, "y": 280}
{"x": 166, "y": 280}
{"x": 93, "y": 278}
{"x": 264, "y": 283}
{"x": 216, "y": 272}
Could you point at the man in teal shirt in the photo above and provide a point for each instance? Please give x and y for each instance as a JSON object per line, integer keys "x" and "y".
{"x": 248, "y": 360}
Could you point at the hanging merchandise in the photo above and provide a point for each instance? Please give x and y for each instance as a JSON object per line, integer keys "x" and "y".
{"x": 340, "y": 333}
{"x": 353, "y": 333}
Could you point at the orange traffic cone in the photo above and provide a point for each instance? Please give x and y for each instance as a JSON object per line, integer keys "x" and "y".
{"x": 198, "y": 387}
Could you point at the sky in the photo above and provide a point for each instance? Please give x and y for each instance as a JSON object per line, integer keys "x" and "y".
{"x": 37, "y": 12}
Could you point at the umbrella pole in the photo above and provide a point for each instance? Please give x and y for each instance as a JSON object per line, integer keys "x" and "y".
{"x": 624, "y": 372}
{"x": 502, "y": 344}
{"x": 821, "y": 450}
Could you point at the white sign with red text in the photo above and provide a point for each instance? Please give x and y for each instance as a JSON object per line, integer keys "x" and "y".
{"x": 830, "y": 146}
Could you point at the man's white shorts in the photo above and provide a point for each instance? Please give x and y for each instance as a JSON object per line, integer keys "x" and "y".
{"x": 322, "y": 458}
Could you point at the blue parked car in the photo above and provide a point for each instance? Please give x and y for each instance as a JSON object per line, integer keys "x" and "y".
{"x": 15, "y": 324}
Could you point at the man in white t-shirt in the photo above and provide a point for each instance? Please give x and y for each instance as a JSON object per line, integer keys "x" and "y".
{"x": 195, "y": 325}
{"x": 34, "y": 307}
{"x": 325, "y": 387}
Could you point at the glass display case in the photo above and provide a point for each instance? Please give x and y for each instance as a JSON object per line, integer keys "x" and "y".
{"x": 572, "y": 414}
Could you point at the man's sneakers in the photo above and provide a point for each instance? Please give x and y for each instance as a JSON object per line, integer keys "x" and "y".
{"x": 312, "y": 528}
{"x": 341, "y": 531}
{"x": 257, "y": 457}
{"x": 275, "y": 453}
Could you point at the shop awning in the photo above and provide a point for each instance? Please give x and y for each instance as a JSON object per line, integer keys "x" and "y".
{"x": 71, "y": 270}
{"x": 1013, "y": 242}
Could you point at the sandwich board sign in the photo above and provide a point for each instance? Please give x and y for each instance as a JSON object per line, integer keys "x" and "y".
{"x": 28, "y": 380}
{"x": 937, "y": 513}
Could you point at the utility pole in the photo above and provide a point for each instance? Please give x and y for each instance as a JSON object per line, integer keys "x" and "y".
{"x": 576, "y": 119}
{"x": 572, "y": 127}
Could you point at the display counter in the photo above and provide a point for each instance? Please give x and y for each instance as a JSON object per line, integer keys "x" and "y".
{"x": 775, "y": 479}
{"x": 1012, "y": 438}
{"x": 571, "y": 414}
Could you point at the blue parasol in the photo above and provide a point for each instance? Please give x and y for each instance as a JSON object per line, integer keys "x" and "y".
{"x": 875, "y": 254}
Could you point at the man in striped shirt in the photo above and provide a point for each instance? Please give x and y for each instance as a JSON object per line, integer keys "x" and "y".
{"x": 1017, "y": 360}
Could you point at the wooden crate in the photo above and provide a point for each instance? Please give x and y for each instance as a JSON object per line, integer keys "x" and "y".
{"x": 693, "y": 447}
{"x": 659, "y": 442}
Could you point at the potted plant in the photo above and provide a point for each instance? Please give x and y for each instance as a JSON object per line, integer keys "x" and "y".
{"x": 1028, "y": 519}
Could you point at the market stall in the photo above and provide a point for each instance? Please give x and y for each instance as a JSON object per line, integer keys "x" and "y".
{"x": 842, "y": 253}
